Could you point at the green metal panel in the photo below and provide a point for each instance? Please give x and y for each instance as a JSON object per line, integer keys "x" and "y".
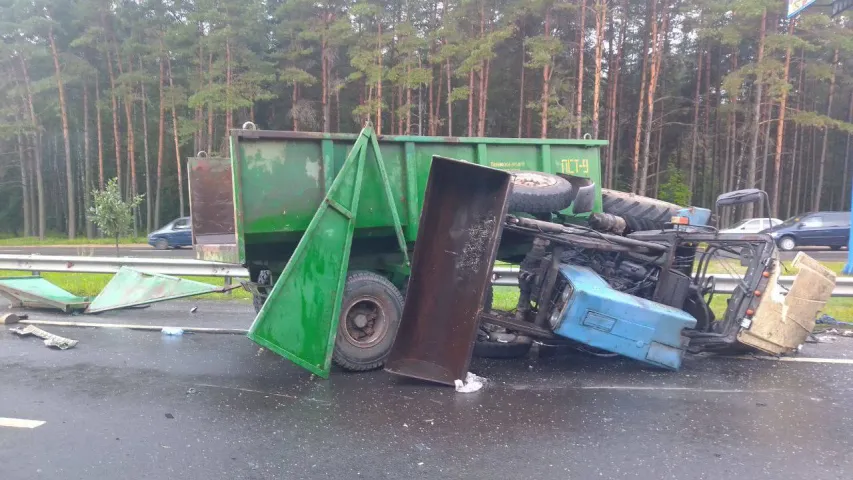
{"x": 36, "y": 292}
{"x": 280, "y": 177}
{"x": 299, "y": 319}
{"x": 131, "y": 288}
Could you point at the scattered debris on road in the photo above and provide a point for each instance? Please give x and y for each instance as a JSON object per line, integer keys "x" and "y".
{"x": 50, "y": 340}
{"x": 471, "y": 384}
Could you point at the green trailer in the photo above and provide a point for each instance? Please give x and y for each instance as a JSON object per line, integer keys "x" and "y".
{"x": 325, "y": 224}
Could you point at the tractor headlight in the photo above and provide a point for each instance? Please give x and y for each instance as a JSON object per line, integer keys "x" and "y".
{"x": 554, "y": 320}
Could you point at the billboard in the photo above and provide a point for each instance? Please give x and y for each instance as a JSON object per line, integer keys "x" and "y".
{"x": 797, "y": 6}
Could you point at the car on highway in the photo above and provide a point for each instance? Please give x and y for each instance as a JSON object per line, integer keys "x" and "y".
{"x": 818, "y": 229}
{"x": 176, "y": 234}
{"x": 752, "y": 225}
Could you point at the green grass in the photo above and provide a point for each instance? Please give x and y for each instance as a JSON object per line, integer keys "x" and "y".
{"x": 60, "y": 240}
{"x": 91, "y": 284}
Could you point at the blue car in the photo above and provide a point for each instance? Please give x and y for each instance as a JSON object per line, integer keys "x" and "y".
{"x": 176, "y": 234}
{"x": 821, "y": 229}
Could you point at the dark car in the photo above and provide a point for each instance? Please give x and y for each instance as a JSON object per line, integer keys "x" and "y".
{"x": 821, "y": 229}
{"x": 176, "y": 234}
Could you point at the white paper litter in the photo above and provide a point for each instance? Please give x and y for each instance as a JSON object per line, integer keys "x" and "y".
{"x": 471, "y": 384}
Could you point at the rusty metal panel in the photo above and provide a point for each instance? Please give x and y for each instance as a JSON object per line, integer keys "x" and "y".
{"x": 36, "y": 292}
{"x": 132, "y": 288}
{"x": 212, "y": 208}
{"x": 460, "y": 226}
{"x": 783, "y": 321}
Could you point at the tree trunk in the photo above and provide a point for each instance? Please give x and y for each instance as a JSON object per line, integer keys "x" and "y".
{"x": 696, "y": 103}
{"x": 148, "y": 205}
{"x": 822, "y": 164}
{"x": 756, "y": 116}
{"x": 87, "y": 162}
{"x": 780, "y": 128}
{"x": 229, "y": 113}
{"x": 657, "y": 48}
{"x": 635, "y": 160}
{"x": 69, "y": 176}
{"x": 614, "y": 100}
{"x": 99, "y": 127}
{"x": 161, "y": 133}
{"x": 764, "y": 154}
{"x": 324, "y": 77}
{"x": 581, "y": 43}
{"x": 449, "y": 99}
{"x": 600, "y": 18}
{"x": 521, "y": 87}
{"x": 25, "y": 184}
{"x": 471, "y": 103}
{"x": 379, "y": 79}
{"x": 114, "y": 100}
{"x": 209, "y": 105}
{"x": 37, "y": 153}
{"x": 546, "y": 79}
{"x": 177, "y": 142}
{"x": 845, "y": 182}
{"x": 131, "y": 140}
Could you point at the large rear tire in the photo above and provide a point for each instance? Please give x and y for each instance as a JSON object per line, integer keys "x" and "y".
{"x": 265, "y": 279}
{"x": 640, "y": 213}
{"x": 370, "y": 316}
{"x": 536, "y": 192}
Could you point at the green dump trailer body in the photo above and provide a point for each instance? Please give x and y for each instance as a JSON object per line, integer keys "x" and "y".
{"x": 280, "y": 179}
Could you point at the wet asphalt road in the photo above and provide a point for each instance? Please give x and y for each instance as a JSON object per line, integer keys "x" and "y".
{"x": 132, "y": 404}
{"x": 823, "y": 255}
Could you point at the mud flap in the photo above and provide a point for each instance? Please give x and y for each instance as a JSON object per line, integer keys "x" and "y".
{"x": 782, "y": 322}
{"x": 134, "y": 288}
{"x": 463, "y": 211}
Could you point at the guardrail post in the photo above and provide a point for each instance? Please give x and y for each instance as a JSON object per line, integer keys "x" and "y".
{"x": 227, "y": 283}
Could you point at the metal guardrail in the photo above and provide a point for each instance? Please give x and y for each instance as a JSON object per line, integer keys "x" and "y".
{"x": 166, "y": 266}
{"x": 503, "y": 275}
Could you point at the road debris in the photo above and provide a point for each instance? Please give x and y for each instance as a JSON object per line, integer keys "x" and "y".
{"x": 50, "y": 340}
{"x": 471, "y": 384}
{"x": 175, "y": 331}
{"x": 827, "y": 320}
{"x": 10, "y": 318}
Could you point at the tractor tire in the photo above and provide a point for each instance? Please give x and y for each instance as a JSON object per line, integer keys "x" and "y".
{"x": 264, "y": 278}
{"x": 536, "y": 192}
{"x": 370, "y": 316}
{"x": 640, "y": 213}
{"x": 489, "y": 344}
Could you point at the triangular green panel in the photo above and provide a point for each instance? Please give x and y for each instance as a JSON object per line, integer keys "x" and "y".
{"x": 131, "y": 288}
{"x": 299, "y": 319}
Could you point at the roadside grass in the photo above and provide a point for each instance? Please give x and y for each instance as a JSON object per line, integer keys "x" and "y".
{"x": 64, "y": 240}
{"x": 91, "y": 284}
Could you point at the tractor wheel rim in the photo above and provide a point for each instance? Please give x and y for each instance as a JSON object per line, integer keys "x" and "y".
{"x": 365, "y": 322}
{"x": 532, "y": 179}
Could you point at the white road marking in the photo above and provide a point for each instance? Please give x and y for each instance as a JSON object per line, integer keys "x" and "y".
{"x": 20, "y": 423}
{"x": 837, "y": 361}
{"x": 675, "y": 389}
{"x": 6, "y": 250}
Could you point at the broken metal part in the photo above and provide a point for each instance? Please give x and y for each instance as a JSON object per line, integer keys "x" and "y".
{"x": 606, "y": 222}
{"x": 50, "y": 340}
